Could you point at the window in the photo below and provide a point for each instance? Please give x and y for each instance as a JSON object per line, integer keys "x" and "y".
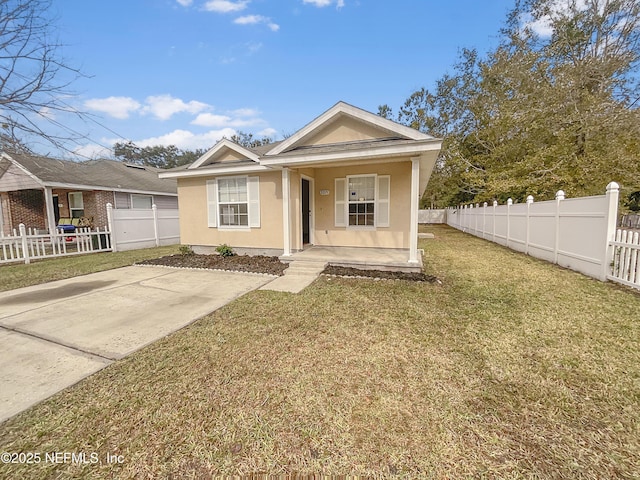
{"x": 141, "y": 201}
{"x": 76, "y": 205}
{"x": 362, "y": 200}
{"x": 233, "y": 202}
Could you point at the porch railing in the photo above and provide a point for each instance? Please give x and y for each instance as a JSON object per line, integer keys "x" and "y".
{"x": 25, "y": 244}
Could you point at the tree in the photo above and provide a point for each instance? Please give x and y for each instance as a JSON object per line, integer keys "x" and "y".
{"x": 554, "y": 106}
{"x": 33, "y": 76}
{"x": 158, "y": 156}
{"x": 247, "y": 140}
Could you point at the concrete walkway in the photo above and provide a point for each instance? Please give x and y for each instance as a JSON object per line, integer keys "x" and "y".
{"x": 53, "y": 335}
{"x": 298, "y": 276}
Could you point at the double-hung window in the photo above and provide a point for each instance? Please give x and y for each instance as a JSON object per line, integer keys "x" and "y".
{"x": 233, "y": 202}
{"x": 76, "y": 205}
{"x": 362, "y": 200}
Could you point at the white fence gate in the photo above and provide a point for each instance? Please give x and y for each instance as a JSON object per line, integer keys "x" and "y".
{"x": 577, "y": 233}
{"x": 132, "y": 229}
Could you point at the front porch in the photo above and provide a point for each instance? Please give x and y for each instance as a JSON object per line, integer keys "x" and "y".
{"x": 364, "y": 258}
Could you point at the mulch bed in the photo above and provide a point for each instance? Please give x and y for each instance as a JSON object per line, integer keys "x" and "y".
{"x": 238, "y": 263}
{"x": 354, "y": 272}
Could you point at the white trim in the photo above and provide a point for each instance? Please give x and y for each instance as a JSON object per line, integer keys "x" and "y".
{"x": 212, "y": 202}
{"x": 415, "y": 194}
{"x": 312, "y": 210}
{"x": 224, "y": 143}
{"x": 286, "y": 213}
{"x": 372, "y": 152}
{"x": 27, "y": 172}
{"x": 340, "y": 203}
{"x": 71, "y": 209}
{"x": 342, "y": 108}
{"x": 380, "y": 201}
{"x": 207, "y": 172}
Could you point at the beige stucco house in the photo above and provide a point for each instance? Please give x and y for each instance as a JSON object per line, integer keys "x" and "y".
{"x": 349, "y": 178}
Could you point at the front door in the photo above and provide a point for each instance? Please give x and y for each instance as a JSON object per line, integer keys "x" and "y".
{"x": 56, "y": 208}
{"x": 306, "y": 212}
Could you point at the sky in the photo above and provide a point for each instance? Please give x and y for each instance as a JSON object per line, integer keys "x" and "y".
{"x": 187, "y": 72}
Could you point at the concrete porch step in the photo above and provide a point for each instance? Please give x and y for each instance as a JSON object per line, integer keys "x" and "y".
{"x": 305, "y": 267}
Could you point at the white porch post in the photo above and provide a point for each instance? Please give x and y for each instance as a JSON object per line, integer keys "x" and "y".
{"x": 286, "y": 212}
{"x": 51, "y": 217}
{"x": 413, "y": 229}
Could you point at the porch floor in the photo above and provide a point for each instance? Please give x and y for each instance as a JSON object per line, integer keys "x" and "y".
{"x": 365, "y": 258}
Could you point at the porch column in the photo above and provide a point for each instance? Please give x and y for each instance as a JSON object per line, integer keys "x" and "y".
{"x": 286, "y": 212}
{"x": 415, "y": 197}
{"x": 51, "y": 218}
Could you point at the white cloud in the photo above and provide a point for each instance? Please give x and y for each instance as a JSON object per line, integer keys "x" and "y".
{"x": 47, "y": 113}
{"x": 324, "y": 3}
{"x": 256, "y": 19}
{"x": 185, "y": 3}
{"x": 211, "y": 120}
{"x": 225, "y": 6}
{"x": 268, "y": 132}
{"x": 245, "y": 112}
{"x": 165, "y": 106}
{"x": 117, "y": 107}
{"x": 187, "y": 140}
{"x": 220, "y": 121}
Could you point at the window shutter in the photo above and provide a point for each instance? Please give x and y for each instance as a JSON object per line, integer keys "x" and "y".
{"x": 382, "y": 203}
{"x": 212, "y": 202}
{"x": 340, "y": 202}
{"x": 253, "y": 188}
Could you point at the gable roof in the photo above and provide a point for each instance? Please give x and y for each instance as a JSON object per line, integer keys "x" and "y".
{"x": 395, "y": 130}
{"x": 97, "y": 174}
{"x": 223, "y": 145}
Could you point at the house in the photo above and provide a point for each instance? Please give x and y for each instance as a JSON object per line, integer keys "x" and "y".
{"x": 349, "y": 178}
{"x": 38, "y": 191}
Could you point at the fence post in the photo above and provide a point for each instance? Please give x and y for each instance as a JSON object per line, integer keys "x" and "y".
{"x": 509, "y": 203}
{"x": 612, "y": 195}
{"x": 112, "y": 231}
{"x": 556, "y": 246}
{"x": 484, "y": 219}
{"x": 25, "y": 248}
{"x": 493, "y": 216}
{"x": 154, "y": 209}
{"x": 526, "y": 244}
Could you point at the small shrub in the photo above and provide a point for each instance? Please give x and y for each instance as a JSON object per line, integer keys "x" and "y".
{"x": 225, "y": 250}
{"x": 185, "y": 250}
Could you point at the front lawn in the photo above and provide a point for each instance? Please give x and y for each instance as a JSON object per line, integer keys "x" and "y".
{"x": 510, "y": 368}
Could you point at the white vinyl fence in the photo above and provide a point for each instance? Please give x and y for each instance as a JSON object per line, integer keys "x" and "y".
{"x": 432, "y": 215}
{"x": 132, "y": 229}
{"x": 25, "y": 244}
{"x": 577, "y": 233}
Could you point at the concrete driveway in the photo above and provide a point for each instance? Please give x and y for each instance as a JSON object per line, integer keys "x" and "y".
{"x": 55, "y": 334}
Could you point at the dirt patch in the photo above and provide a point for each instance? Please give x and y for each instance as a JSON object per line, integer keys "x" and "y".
{"x": 354, "y": 272}
{"x": 238, "y": 263}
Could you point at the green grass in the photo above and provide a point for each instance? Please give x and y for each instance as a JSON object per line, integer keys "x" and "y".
{"x": 21, "y": 275}
{"x": 511, "y": 368}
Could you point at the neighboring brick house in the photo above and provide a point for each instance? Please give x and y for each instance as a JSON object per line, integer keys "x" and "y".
{"x": 75, "y": 190}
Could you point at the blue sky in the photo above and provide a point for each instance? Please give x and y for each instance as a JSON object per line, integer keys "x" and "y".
{"x": 186, "y": 72}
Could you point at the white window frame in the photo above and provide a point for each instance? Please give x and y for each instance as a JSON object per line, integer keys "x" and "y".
{"x": 219, "y": 203}
{"x": 72, "y": 209}
{"x": 358, "y": 202}
{"x": 139, "y": 195}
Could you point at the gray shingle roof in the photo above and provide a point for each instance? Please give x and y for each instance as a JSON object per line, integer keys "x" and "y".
{"x": 97, "y": 173}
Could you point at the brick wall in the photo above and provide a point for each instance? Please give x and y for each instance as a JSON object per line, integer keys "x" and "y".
{"x": 101, "y": 198}
{"x": 27, "y": 206}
